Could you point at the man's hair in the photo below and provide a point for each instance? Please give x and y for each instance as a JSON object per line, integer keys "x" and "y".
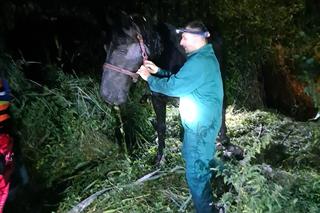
{"x": 197, "y": 25}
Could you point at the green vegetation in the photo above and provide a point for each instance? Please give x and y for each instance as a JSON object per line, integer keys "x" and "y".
{"x": 253, "y": 31}
{"x": 68, "y": 139}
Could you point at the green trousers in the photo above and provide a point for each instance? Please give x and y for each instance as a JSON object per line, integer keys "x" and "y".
{"x": 198, "y": 153}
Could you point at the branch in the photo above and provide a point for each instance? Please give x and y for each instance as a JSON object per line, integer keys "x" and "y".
{"x": 261, "y": 130}
{"x": 185, "y": 204}
{"x": 151, "y": 176}
{"x": 146, "y": 177}
{"x": 86, "y": 202}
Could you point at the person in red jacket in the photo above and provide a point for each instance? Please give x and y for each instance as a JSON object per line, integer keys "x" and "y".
{"x": 6, "y": 143}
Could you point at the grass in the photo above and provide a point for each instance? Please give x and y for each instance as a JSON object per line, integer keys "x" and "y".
{"x": 260, "y": 184}
{"x": 67, "y": 136}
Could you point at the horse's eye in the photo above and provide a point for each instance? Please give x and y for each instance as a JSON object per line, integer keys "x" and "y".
{"x": 123, "y": 52}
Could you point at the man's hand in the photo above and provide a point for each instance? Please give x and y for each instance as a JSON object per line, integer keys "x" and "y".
{"x": 152, "y": 68}
{"x": 144, "y": 72}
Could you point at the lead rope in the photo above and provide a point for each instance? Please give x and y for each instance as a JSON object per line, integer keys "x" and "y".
{"x": 133, "y": 75}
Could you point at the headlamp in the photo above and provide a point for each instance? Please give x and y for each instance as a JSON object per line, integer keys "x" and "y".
{"x": 205, "y": 34}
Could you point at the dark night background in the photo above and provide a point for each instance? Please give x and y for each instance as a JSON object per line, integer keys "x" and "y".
{"x": 71, "y": 34}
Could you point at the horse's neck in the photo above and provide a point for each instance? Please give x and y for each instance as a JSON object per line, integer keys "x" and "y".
{"x": 172, "y": 56}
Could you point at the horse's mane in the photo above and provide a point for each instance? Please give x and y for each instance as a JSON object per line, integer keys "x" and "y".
{"x": 160, "y": 37}
{"x": 151, "y": 36}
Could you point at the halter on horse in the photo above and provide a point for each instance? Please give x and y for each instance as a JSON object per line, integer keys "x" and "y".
{"x": 132, "y": 74}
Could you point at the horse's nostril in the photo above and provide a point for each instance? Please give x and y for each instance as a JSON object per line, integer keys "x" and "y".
{"x": 112, "y": 97}
{"x": 121, "y": 98}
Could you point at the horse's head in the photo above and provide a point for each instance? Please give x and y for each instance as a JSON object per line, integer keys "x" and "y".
{"x": 125, "y": 55}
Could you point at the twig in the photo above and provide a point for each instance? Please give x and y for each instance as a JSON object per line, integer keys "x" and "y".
{"x": 185, "y": 204}
{"x": 176, "y": 168}
{"x": 146, "y": 177}
{"x": 287, "y": 136}
{"x": 261, "y": 130}
{"x": 151, "y": 176}
{"x": 315, "y": 117}
{"x": 86, "y": 202}
{"x": 173, "y": 197}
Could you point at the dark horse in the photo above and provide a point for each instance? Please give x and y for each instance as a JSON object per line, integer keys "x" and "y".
{"x": 129, "y": 43}
{"x": 133, "y": 40}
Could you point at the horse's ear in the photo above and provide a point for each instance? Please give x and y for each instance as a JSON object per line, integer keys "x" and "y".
{"x": 144, "y": 18}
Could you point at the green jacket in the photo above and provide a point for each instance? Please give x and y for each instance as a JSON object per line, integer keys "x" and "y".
{"x": 198, "y": 84}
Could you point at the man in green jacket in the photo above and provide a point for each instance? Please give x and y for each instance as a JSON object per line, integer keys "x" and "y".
{"x": 198, "y": 84}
